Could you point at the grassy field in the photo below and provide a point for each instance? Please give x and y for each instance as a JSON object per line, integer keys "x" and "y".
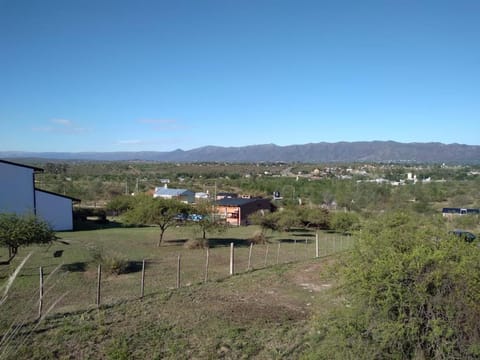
{"x": 226, "y": 317}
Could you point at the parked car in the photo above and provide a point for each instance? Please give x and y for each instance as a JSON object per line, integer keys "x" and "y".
{"x": 465, "y": 235}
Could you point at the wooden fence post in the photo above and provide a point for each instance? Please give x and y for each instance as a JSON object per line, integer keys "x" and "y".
{"x": 278, "y": 252}
{"x": 142, "y": 288}
{"x": 250, "y": 256}
{"x": 306, "y": 248}
{"x": 178, "y": 272}
{"x": 316, "y": 246}
{"x": 99, "y": 281}
{"x": 232, "y": 261}
{"x": 266, "y": 255}
{"x": 40, "y": 302}
{"x": 206, "y": 264}
{"x": 295, "y": 249}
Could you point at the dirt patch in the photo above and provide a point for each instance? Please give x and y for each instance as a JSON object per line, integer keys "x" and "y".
{"x": 311, "y": 276}
{"x": 256, "y": 311}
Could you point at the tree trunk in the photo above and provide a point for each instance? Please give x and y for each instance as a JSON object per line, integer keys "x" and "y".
{"x": 12, "y": 252}
{"x": 160, "y": 239}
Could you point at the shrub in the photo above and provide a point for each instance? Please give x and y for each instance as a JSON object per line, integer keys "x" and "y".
{"x": 411, "y": 291}
{"x": 196, "y": 243}
{"x": 345, "y": 222}
{"x": 257, "y": 238}
{"x": 111, "y": 261}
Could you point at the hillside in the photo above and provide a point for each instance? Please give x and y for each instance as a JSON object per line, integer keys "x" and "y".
{"x": 373, "y": 151}
{"x": 263, "y": 314}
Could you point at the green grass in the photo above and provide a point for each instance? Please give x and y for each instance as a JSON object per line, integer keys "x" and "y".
{"x": 263, "y": 314}
{"x": 174, "y": 332}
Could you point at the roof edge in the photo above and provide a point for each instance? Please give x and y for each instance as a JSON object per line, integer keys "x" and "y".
{"x": 34, "y": 168}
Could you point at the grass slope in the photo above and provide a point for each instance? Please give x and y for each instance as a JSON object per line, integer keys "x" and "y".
{"x": 260, "y": 314}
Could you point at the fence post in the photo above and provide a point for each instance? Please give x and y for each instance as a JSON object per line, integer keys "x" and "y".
{"x": 306, "y": 248}
{"x": 40, "y": 302}
{"x": 142, "y": 289}
{"x": 316, "y": 246}
{"x": 295, "y": 249}
{"x": 99, "y": 281}
{"x": 250, "y": 256}
{"x": 178, "y": 272}
{"x": 278, "y": 252}
{"x": 266, "y": 255}
{"x": 232, "y": 262}
{"x": 206, "y": 264}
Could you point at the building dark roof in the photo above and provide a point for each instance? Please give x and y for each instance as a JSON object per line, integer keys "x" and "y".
{"x": 34, "y": 168}
{"x": 237, "y": 202}
{"x": 460, "y": 211}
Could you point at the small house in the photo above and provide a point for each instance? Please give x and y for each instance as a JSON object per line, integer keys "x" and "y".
{"x": 236, "y": 211}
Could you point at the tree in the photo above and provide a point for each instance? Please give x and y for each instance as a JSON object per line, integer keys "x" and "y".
{"x": 267, "y": 221}
{"x": 121, "y": 203}
{"x": 147, "y": 210}
{"x": 345, "y": 222}
{"x": 20, "y": 230}
{"x": 287, "y": 219}
{"x": 315, "y": 217}
{"x": 207, "y": 222}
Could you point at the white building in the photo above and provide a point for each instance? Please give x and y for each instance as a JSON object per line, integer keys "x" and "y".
{"x": 184, "y": 195}
{"x": 18, "y": 195}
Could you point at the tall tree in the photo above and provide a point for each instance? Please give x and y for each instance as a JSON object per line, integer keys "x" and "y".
{"x": 156, "y": 211}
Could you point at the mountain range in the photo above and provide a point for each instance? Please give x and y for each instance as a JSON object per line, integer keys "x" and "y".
{"x": 365, "y": 151}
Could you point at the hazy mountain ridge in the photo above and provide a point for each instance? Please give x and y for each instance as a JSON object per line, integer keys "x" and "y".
{"x": 364, "y": 151}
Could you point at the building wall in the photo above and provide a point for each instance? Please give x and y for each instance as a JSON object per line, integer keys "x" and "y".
{"x": 238, "y": 215}
{"x": 252, "y": 207}
{"x": 16, "y": 189}
{"x": 56, "y": 210}
{"x": 230, "y": 213}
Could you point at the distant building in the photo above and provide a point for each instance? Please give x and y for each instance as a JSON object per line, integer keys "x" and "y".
{"x": 236, "y": 211}
{"x": 226, "y": 195}
{"x": 201, "y": 196}
{"x": 18, "y": 195}
{"x": 184, "y": 195}
{"x": 449, "y": 212}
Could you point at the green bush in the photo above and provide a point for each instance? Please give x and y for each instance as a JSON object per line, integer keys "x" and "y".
{"x": 345, "y": 222}
{"x": 411, "y": 292}
{"x": 111, "y": 261}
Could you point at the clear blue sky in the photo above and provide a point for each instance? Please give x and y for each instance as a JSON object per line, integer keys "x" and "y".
{"x": 101, "y": 75}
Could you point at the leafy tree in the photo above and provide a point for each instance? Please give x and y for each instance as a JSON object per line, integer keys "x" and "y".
{"x": 20, "y": 230}
{"x": 411, "y": 291}
{"x": 267, "y": 221}
{"x": 147, "y": 210}
{"x": 208, "y": 222}
{"x": 345, "y": 222}
{"x": 287, "y": 219}
{"x": 315, "y": 217}
{"x": 120, "y": 204}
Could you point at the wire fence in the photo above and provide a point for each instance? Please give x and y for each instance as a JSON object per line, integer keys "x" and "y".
{"x": 78, "y": 287}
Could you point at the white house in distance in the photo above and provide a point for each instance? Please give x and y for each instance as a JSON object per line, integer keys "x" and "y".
{"x": 183, "y": 195}
{"x": 18, "y": 195}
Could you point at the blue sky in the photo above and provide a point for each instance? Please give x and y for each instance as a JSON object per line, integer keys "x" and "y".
{"x": 93, "y": 75}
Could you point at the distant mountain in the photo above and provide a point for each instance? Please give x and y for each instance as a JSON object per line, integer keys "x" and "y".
{"x": 368, "y": 151}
